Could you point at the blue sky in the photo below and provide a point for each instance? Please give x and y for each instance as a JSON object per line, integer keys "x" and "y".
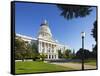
{"x": 29, "y": 16}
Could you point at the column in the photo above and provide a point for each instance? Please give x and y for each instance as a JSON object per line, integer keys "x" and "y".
{"x": 55, "y": 49}
{"x": 38, "y": 46}
{"x": 51, "y": 47}
{"x": 45, "y": 47}
{"x": 48, "y": 56}
{"x": 41, "y": 47}
{"x": 57, "y": 56}
{"x": 48, "y": 52}
{"x": 51, "y": 51}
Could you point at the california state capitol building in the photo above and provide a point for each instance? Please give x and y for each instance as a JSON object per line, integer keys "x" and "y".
{"x": 46, "y": 43}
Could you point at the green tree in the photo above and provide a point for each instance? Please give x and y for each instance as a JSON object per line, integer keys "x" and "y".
{"x": 32, "y": 51}
{"x": 20, "y": 49}
{"x": 29, "y": 53}
{"x": 25, "y": 50}
{"x": 74, "y": 11}
{"x": 42, "y": 56}
{"x": 60, "y": 55}
{"x": 18, "y": 55}
{"x": 94, "y": 31}
{"x": 34, "y": 47}
{"x": 73, "y": 55}
{"x": 20, "y": 44}
{"x": 86, "y": 54}
{"x": 94, "y": 34}
{"x": 67, "y": 53}
{"x": 35, "y": 51}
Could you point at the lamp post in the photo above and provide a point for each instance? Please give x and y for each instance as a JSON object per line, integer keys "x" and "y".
{"x": 82, "y": 35}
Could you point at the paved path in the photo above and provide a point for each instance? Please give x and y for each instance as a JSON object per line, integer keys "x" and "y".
{"x": 76, "y": 66}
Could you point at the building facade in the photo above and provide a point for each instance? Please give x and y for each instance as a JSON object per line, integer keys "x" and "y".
{"x": 45, "y": 42}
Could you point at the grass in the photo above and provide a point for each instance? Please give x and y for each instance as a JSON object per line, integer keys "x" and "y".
{"x": 37, "y": 67}
{"x": 90, "y": 62}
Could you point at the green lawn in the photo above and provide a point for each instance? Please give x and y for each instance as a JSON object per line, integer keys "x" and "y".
{"x": 37, "y": 67}
{"x": 90, "y": 62}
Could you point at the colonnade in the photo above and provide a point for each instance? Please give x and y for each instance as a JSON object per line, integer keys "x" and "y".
{"x": 49, "y": 49}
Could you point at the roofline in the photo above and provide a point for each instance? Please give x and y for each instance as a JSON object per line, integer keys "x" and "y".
{"x": 24, "y": 36}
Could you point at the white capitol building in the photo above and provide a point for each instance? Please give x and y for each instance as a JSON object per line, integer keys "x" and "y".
{"x": 46, "y": 44}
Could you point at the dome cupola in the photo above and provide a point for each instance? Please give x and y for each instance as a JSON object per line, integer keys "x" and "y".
{"x": 44, "y": 31}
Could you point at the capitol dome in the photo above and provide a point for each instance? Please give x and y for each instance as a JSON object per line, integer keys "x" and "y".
{"x": 44, "y": 31}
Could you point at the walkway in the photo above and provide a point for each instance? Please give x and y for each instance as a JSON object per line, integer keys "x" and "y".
{"x": 76, "y": 66}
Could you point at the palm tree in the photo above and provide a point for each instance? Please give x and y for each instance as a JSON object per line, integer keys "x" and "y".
{"x": 74, "y": 11}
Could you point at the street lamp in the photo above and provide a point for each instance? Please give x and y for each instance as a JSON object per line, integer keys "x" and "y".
{"x": 82, "y": 35}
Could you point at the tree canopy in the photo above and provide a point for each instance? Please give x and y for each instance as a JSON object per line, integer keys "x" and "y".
{"x": 94, "y": 34}
{"x": 86, "y": 54}
{"x": 25, "y": 50}
{"x": 74, "y": 11}
{"x": 94, "y": 31}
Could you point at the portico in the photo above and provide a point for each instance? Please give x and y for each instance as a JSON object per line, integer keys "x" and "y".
{"x": 48, "y": 48}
